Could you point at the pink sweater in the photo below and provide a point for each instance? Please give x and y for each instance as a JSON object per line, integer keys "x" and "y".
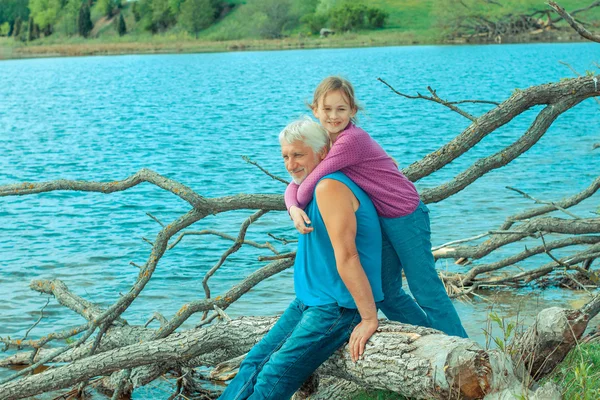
{"x": 364, "y": 161}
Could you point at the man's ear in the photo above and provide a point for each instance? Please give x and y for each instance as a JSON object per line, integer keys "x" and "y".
{"x": 323, "y": 153}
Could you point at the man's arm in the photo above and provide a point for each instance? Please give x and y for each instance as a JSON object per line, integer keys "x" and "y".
{"x": 337, "y": 205}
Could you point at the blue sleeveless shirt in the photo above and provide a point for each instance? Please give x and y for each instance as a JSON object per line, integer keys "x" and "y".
{"x": 316, "y": 279}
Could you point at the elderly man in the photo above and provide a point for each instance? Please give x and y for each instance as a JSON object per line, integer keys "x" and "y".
{"x": 337, "y": 279}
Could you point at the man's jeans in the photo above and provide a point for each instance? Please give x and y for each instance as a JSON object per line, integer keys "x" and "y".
{"x": 302, "y": 339}
{"x": 407, "y": 245}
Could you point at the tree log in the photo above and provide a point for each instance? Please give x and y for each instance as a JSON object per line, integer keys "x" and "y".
{"x": 413, "y": 361}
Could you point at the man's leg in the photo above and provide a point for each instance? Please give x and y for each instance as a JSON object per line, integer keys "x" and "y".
{"x": 397, "y": 305}
{"x": 411, "y": 238}
{"x": 322, "y": 330}
{"x": 242, "y": 386}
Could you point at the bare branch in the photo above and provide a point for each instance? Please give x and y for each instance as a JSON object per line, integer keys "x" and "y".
{"x": 564, "y": 204}
{"x": 38, "y": 321}
{"x": 537, "y": 129}
{"x": 277, "y": 257}
{"x": 528, "y": 252}
{"x": 283, "y": 240}
{"x": 545, "y": 224}
{"x": 236, "y": 246}
{"x": 564, "y": 94}
{"x": 433, "y": 98}
{"x": 155, "y": 219}
{"x": 544, "y": 202}
{"x": 252, "y": 243}
{"x": 249, "y": 161}
{"x": 156, "y": 316}
{"x": 224, "y": 300}
{"x": 574, "y": 24}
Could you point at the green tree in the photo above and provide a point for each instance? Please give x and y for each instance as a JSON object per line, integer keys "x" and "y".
{"x": 121, "y": 27}
{"x": 136, "y": 12}
{"x": 70, "y": 15}
{"x": 5, "y": 29}
{"x": 10, "y": 10}
{"x": 45, "y": 13}
{"x": 104, "y": 7}
{"x": 348, "y": 16}
{"x": 30, "y": 24}
{"x": 162, "y": 15}
{"x": 197, "y": 15}
{"x": 84, "y": 22}
{"x": 376, "y": 17}
{"x": 270, "y": 16}
{"x": 17, "y": 28}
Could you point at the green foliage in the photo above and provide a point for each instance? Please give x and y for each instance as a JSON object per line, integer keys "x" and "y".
{"x": 30, "y": 29}
{"x": 507, "y": 331}
{"x": 162, "y": 15}
{"x": 136, "y": 12}
{"x": 270, "y": 16}
{"x": 45, "y": 13}
{"x": 315, "y": 21}
{"x": 121, "y": 27}
{"x": 105, "y": 7}
{"x": 376, "y": 17}
{"x": 345, "y": 16}
{"x": 68, "y": 21}
{"x": 17, "y": 27}
{"x": 10, "y": 10}
{"x": 84, "y": 21}
{"x": 5, "y": 29}
{"x": 378, "y": 395}
{"x": 578, "y": 375}
{"x": 197, "y": 15}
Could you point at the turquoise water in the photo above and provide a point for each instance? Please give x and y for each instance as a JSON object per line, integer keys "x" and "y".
{"x": 191, "y": 118}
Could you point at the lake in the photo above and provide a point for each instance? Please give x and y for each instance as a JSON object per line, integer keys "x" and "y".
{"x": 191, "y": 117}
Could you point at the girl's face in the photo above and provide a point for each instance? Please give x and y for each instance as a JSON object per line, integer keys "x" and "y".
{"x": 334, "y": 112}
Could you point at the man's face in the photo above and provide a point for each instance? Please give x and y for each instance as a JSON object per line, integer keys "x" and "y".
{"x": 300, "y": 159}
{"x": 334, "y": 112}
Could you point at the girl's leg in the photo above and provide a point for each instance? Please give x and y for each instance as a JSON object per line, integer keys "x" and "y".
{"x": 242, "y": 386}
{"x": 397, "y": 305}
{"x": 411, "y": 238}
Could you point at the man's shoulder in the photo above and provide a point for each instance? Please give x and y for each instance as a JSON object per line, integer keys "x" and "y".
{"x": 332, "y": 185}
{"x": 331, "y": 179}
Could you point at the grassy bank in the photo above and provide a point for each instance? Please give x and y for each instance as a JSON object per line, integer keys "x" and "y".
{"x": 181, "y": 43}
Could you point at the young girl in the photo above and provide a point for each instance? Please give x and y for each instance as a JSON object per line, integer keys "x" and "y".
{"x": 403, "y": 217}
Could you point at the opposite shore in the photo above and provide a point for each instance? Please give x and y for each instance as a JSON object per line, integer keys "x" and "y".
{"x": 173, "y": 45}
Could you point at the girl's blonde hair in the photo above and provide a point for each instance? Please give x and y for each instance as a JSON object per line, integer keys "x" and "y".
{"x": 332, "y": 83}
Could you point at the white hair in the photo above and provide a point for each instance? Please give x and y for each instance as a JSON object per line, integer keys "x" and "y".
{"x": 307, "y": 131}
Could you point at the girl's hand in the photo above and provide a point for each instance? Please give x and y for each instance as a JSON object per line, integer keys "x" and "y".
{"x": 301, "y": 220}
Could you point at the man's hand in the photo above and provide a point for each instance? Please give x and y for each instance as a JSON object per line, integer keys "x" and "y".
{"x": 360, "y": 335}
{"x": 300, "y": 220}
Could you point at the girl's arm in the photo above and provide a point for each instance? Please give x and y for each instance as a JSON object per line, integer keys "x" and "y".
{"x": 291, "y": 196}
{"x": 301, "y": 220}
{"x": 346, "y": 151}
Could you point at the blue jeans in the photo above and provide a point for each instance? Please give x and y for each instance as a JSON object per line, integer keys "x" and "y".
{"x": 301, "y": 340}
{"x": 407, "y": 246}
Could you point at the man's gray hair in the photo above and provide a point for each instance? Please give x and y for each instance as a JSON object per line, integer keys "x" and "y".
{"x": 307, "y": 131}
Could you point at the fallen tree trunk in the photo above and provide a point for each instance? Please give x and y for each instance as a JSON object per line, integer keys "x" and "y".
{"x": 416, "y": 362}
{"x": 413, "y": 361}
